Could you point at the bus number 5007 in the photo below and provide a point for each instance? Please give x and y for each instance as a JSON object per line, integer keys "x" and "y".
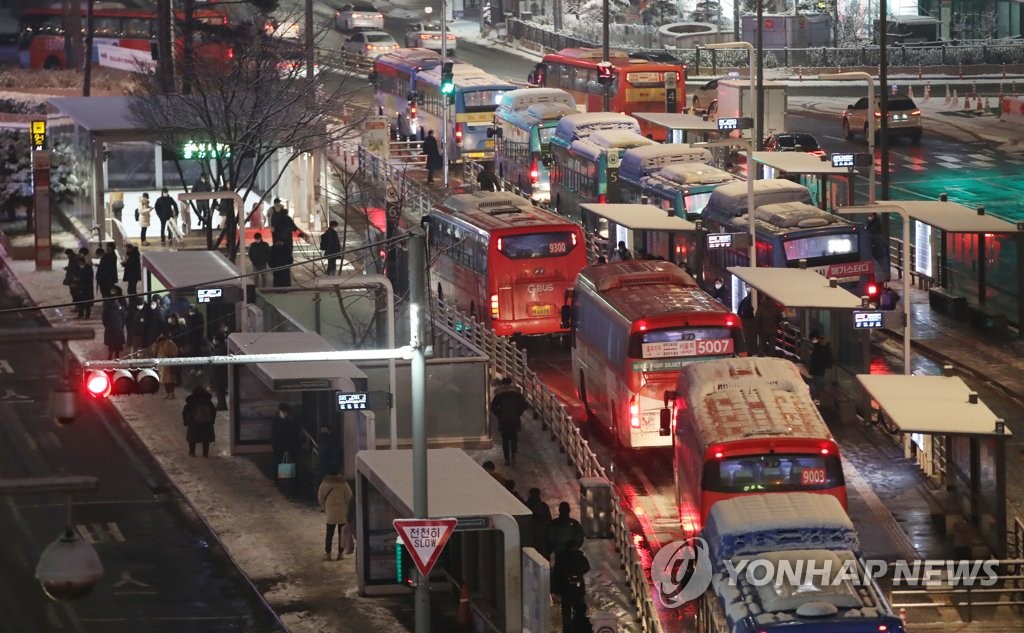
{"x": 714, "y": 347}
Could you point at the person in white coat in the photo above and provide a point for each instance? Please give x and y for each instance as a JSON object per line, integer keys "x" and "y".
{"x": 334, "y": 496}
{"x": 143, "y": 215}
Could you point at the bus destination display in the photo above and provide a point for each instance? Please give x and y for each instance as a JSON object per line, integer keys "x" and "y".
{"x": 867, "y": 319}
{"x": 354, "y": 401}
{"x": 208, "y": 295}
{"x": 719, "y": 240}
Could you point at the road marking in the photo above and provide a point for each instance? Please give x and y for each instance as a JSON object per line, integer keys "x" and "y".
{"x": 115, "y": 531}
{"x": 98, "y": 533}
{"x": 5, "y": 367}
{"x": 126, "y": 580}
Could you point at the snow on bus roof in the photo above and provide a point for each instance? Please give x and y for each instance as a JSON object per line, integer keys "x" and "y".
{"x": 465, "y": 75}
{"x": 418, "y": 57}
{"x": 641, "y": 161}
{"x": 523, "y": 98}
{"x": 694, "y": 174}
{"x": 601, "y": 141}
{"x": 483, "y": 200}
{"x": 583, "y": 124}
{"x": 731, "y": 199}
{"x": 755, "y": 524}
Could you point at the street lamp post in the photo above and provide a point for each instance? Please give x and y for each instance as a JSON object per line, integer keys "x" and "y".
{"x": 758, "y": 132}
{"x": 870, "y": 116}
{"x": 445, "y": 106}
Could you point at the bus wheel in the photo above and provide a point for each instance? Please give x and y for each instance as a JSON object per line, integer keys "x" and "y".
{"x": 51, "y": 63}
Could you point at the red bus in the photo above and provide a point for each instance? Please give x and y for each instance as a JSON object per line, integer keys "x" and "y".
{"x": 637, "y": 86}
{"x": 635, "y": 324}
{"x": 504, "y": 261}
{"x": 746, "y": 426}
{"x": 41, "y": 33}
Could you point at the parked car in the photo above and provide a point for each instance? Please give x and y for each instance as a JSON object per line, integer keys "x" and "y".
{"x": 793, "y": 142}
{"x": 351, "y": 17}
{"x": 706, "y": 97}
{"x": 370, "y": 44}
{"x": 904, "y": 118}
{"x": 428, "y": 36}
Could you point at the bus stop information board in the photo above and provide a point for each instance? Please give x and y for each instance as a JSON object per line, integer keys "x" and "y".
{"x": 425, "y": 539}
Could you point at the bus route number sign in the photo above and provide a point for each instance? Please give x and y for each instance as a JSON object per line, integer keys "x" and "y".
{"x": 719, "y": 240}
{"x": 812, "y": 476}
{"x": 867, "y": 319}
{"x": 676, "y": 349}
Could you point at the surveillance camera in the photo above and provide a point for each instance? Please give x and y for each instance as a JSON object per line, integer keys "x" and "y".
{"x": 63, "y": 407}
{"x": 68, "y": 568}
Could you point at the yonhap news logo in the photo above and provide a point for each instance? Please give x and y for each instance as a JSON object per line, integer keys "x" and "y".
{"x": 681, "y": 571}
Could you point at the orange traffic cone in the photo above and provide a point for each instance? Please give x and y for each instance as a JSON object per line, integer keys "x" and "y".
{"x": 967, "y": 103}
{"x": 464, "y": 620}
{"x": 978, "y": 108}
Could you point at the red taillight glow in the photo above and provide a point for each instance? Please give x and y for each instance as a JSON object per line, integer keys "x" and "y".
{"x": 729, "y": 322}
{"x": 458, "y": 133}
{"x": 878, "y": 115}
{"x": 718, "y": 454}
{"x": 499, "y": 244}
{"x": 825, "y": 451}
{"x": 534, "y": 172}
{"x": 412, "y": 111}
{"x": 494, "y": 306}
{"x": 641, "y": 325}
{"x": 882, "y": 627}
{"x": 872, "y": 290}
{"x": 602, "y": 198}
{"x": 634, "y": 412}
{"x": 231, "y": 53}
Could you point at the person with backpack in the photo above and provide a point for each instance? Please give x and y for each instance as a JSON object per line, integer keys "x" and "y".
{"x": 568, "y": 582}
{"x": 508, "y": 405}
{"x": 199, "y": 416}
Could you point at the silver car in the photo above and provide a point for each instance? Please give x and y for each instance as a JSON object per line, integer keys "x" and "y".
{"x": 904, "y": 118}
{"x": 429, "y": 36}
{"x": 370, "y": 44}
{"x": 352, "y": 17}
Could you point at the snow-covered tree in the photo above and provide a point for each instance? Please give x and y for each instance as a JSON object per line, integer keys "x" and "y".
{"x": 592, "y": 10}
{"x": 663, "y": 11}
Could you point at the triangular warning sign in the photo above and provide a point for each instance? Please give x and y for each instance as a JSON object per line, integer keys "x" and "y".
{"x": 425, "y": 538}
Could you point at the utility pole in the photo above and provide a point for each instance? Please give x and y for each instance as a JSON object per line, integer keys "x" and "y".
{"x": 165, "y": 64}
{"x": 87, "y": 62}
{"x": 605, "y": 18}
{"x": 759, "y": 107}
{"x": 883, "y": 102}
{"x": 418, "y": 372}
{"x": 446, "y": 105}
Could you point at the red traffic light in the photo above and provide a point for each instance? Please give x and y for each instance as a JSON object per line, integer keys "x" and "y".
{"x": 605, "y": 73}
{"x": 98, "y": 384}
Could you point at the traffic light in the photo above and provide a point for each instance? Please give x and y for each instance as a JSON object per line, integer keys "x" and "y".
{"x": 605, "y": 73}
{"x": 448, "y": 79}
{"x": 119, "y": 382}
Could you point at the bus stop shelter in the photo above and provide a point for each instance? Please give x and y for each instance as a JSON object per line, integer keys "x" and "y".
{"x": 485, "y": 551}
{"x": 646, "y": 230}
{"x": 971, "y": 262}
{"x": 206, "y": 279}
{"x": 830, "y": 186}
{"x": 812, "y": 303}
{"x": 955, "y": 438}
{"x": 682, "y": 128}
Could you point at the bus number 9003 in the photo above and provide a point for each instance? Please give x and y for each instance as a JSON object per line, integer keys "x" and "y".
{"x": 812, "y": 476}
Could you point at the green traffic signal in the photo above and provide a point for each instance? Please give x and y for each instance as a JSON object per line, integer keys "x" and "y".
{"x": 447, "y": 88}
{"x": 448, "y": 78}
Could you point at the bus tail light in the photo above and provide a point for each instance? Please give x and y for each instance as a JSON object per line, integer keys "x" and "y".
{"x": 634, "y": 412}
{"x": 458, "y": 133}
{"x": 825, "y": 451}
{"x": 872, "y": 289}
{"x": 730, "y": 322}
{"x": 534, "y": 172}
{"x": 494, "y": 306}
{"x": 602, "y": 198}
{"x": 231, "y": 53}
{"x": 412, "y": 109}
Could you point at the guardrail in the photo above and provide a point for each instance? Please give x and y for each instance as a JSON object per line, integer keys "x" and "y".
{"x": 941, "y": 590}
{"x": 509, "y": 360}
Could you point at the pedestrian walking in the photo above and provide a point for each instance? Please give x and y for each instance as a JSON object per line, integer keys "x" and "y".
{"x": 83, "y": 287}
{"x": 564, "y": 530}
{"x": 156, "y": 319}
{"x": 284, "y": 436}
{"x": 508, "y": 406}
{"x": 334, "y": 496}
{"x": 768, "y": 319}
{"x": 195, "y": 325}
{"x": 199, "y": 416}
{"x": 540, "y": 519}
{"x": 432, "y": 151}
{"x": 818, "y": 364}
{"x": 280, "y": 260}
{"x": 487, "y": 179}
{"x": 143, "y": 216}
{"x": 568, "y": 582}
{"x": 219, "y": 373}
{"x": 259, "y": 257}
{"x": 328, "y": 455}
{"x": 132, "y": 268}
{"x": 114, "y": 315}
{"x": 283, "y": 229}
{"x": 71, "y": 279}
{"x": 166, "y": 211}
{"x": 106, "y": 271}
{"x": 330, "y": 244}
{"x": 748, "y": 321}
{"x": 203, "y": 206}
{"x": 136, "y": 325}
{"x": 164, "y": 347}
{"x": 229, "y": 222}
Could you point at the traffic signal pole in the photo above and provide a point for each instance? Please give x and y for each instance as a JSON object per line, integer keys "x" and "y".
{"x": 445, "y": 107}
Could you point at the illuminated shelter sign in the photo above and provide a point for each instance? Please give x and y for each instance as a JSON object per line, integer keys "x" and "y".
{"x": 204, "y": 151}
{"x": 38, "y": 132}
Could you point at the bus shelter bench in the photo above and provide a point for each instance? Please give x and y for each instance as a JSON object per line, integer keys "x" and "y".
{"x": 944, "y": 301}
{"x": 987, "y": 321}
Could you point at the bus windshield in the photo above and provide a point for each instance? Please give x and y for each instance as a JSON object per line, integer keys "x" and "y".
{"x": 681, "y": 342}
{"x": 531, "y": 245}
{"x": 773, "y": 473}
{"x": 546, "y": 134}
{"x": 821, "y": 247}
{"x": 482, "y": 100}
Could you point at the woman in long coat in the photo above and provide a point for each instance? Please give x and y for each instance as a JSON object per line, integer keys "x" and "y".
{"x": 164, "y": 347}
{"x": 145, "y": 214}
{"x": 114, "y": 317}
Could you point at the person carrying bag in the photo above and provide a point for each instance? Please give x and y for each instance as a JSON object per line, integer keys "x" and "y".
{"x": 286, "y": 469}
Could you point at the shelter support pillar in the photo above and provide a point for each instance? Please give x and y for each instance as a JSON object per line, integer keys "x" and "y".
{"x": 981, "y": 268}
{"x": 99, "y": 211}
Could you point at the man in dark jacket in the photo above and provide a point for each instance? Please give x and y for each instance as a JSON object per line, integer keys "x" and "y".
{"x": 219, "y": 373}
{"x": 167, "y": 210}
{"x": 819, "y": 363}
{"x": 199, "y": 416}
{"x": 195, "y": 326}
{"x": 226, "y": 207}
{"x": 508, "y": 405}
{"x": 487, "y": 179}
{"x": 284, "y": 436}
{"x": 203, "y": 206}
{"x": 132, "y": 268}
{"x": 280, "y": 262}
{"x": 259, "y": 257}
{"x": 432, "y": 151}
{"x": 568, "y": 582}
{"x": 330, "y": 244}
{"x": 83, "y": 288}
{"x": 564, "y": 530}
{"x": 284, "y": 228}
{"x": 106, "y": 271}
{"x": 539, "y": 522}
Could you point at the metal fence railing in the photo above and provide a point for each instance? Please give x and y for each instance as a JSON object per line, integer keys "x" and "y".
{"x": 944, "y": 590}
{"x": 509, "y": 360}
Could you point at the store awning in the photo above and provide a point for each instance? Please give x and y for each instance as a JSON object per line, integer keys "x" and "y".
{"x": 931, "y": 404}
{"x": 797, "y": 287}
{"x": 321, "y": 375}
{"x": 799, "y": 163}
{"x": 202, "y": 276}
{"x": 946, "y": 216}
{"x": 642, "y": 217}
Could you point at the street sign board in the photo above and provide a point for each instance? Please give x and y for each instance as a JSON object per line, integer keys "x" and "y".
{"x": 425, "y": 539}
{"x": 867, "y": 319}
{"x": 38, "y": 135}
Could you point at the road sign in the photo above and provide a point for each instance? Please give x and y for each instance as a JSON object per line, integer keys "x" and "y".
{"x": 391, "y": 192}
{"x": 425, "y": 539}
{"x": 38, "y": 135}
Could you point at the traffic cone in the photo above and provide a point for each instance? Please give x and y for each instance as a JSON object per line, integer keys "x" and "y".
{"x": 928, "y": 91}
{"x": 978, "y": 108}
{"x": 967, "y": 103}
{"x": 464, "y": 620}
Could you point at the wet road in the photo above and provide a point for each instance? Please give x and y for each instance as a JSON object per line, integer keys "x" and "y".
{"x": 164, "y": 571}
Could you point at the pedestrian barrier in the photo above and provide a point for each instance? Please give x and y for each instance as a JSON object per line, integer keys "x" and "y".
{"x": 943, "y": 589}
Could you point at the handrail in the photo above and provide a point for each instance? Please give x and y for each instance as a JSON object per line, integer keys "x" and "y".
{"x": 942, "y": 593}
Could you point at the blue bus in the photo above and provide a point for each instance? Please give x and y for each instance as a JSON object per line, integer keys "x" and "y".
{"x": 394, "y": 81}
{"x": 586, "y": 149}
{"x": 675, "y": 177}
{"x": 789, "y": 230}
{"x": 524, "y": 124}
{"x": 811, "y": 576}
{"x": 477, "y": 95}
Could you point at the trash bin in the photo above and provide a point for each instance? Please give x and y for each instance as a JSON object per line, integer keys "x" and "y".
{"x": 596, "y": 507}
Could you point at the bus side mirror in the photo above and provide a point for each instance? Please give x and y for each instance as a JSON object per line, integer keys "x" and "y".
{"x": 566, "y": 316}
{"x": 666, "y": 422}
